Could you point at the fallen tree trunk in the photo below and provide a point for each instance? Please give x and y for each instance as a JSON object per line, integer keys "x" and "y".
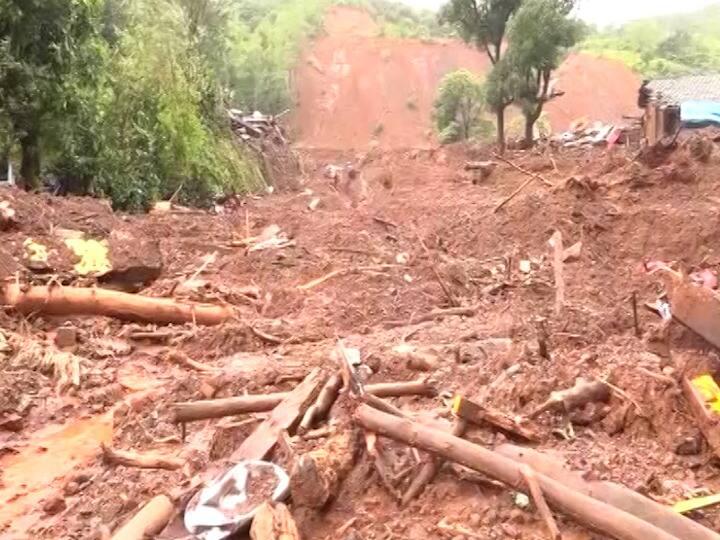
{"x": 219, "y": 408}
{"x": 619, "y": 496}
{"x": 141, "y": 461}
{"x": 590, "y": 512}
{"x": 149, "y": 521}
{"x": 131, "y": 307}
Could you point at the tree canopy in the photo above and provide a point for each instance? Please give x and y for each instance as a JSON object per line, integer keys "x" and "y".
{"x": 540, "y": 35}
{"x": 127, "y": 98}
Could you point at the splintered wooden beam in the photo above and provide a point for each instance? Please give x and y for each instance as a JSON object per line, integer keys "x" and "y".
{"x": 283, "y": 417}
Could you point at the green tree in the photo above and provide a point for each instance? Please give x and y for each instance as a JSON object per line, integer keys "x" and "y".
{"x": 484, "y": 23}
{"x": 501, "y": 90}
{"x": 39, "y": 41}
{"x": 459, "y": 105}
{"x": 540, "y": 35}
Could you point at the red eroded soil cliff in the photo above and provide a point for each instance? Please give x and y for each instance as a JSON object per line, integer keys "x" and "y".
{"x": 354, "y": 86}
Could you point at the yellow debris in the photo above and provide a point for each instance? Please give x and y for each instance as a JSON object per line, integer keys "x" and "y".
{"x": 697, "y": 503}
{"x": 34, "y": 252}
{"x": 93, "y": 256}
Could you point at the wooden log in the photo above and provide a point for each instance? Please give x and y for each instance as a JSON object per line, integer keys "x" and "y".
{"x": 582, "y": 393}
{"x": 540, "y": 502}
{"x": 477, "y": 414}
{"x": 317, "y": 475}
{"x": 398, "y": 389}
{"x": 532, "y": 175}
{"x": 430, "y": 468}
{"x": 586, "y": 510}
{"x": 131, "y": 307}
{"x": 324, "y": 403}
{"x": 219, "y": 408}
{"x": 141, "y": 461}
{"x": 434, "y": 315}
{"x": 610, "y": 493}
{"x": 149, "y": 521}
{"x": 274, "y": 522}
{"x": 283, "y": 417}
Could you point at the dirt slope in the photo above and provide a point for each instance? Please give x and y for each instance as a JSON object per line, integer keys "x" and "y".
{"x": 353, "y": 86}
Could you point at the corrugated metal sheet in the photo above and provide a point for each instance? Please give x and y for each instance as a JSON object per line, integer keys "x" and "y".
{"x": 691, "y": 88}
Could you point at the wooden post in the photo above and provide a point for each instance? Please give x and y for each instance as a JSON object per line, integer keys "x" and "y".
{"x": 586, "y": 510}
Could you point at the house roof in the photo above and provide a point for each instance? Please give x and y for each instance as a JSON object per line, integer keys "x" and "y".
{"x": 692, "y": 88}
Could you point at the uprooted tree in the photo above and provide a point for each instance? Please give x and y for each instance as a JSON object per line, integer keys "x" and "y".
{"x": 540, "y": 35}
{"x": 484, "y": 23}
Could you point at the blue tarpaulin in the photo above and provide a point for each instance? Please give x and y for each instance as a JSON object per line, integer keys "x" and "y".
{"x": 700, "y": 113}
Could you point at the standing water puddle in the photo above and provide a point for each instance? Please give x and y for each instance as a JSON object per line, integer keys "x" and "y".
{"x": 50, "y": 454}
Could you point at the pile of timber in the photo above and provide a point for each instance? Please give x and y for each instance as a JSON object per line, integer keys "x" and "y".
{"x": 317, "y": 476}
{"x": 256, "y": 126}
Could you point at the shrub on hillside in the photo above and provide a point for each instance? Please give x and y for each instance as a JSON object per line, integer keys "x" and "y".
{"x": 459, "y": 107}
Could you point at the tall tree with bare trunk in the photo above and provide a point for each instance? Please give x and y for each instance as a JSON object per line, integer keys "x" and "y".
{"x": 484, "y": 23}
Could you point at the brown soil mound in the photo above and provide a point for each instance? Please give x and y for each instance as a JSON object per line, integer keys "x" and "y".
{"x": 354, "y": 87}
{"x": 387, "y": 255}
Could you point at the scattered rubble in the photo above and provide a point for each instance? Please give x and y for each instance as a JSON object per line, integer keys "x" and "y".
{"x": 145, "y": 403}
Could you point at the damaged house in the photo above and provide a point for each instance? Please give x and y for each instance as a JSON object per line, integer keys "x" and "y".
{"x": 677, "y": 103}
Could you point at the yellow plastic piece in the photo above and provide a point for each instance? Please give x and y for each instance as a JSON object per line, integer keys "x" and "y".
{"x": 456, "y": 404}
{"x": 93, "y": 256}
{"x": 697, "y": 503}
{"x": 34, "y": 252}
{"x": 707, "y": 387}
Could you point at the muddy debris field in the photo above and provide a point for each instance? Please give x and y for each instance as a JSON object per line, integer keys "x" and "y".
{"x": 441, "y": 355}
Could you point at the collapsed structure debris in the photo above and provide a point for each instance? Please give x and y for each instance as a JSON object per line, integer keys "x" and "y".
{"x": 251, "y": 369}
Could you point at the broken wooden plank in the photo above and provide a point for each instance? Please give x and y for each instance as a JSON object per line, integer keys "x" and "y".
{"x": 283, "y": 417}
{"x": 479, "y": 415}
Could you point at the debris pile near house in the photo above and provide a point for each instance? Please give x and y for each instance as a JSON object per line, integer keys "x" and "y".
{"x": 597, "y": 134}
{"x": 266, "y": 138}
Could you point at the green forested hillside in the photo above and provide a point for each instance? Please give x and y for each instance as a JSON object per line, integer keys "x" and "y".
{"x": 664, "y": 46}
{"x": 127, "y": 98}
